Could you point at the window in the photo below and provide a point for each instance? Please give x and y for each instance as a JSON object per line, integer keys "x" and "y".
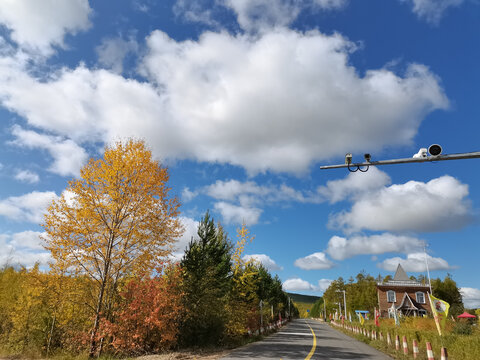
{"x": 420, "y": 297}
{"x": 391, "y": 296}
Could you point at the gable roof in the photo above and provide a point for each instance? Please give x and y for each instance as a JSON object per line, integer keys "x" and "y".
{"x": 400, "y": 274}
{"x": 409, "y": 300}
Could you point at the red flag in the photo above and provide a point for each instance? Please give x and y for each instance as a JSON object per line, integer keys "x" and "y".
{"x": 377, "y": 315}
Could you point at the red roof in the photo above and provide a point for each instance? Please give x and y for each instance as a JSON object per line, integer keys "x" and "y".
{"x": 466, "y": 315}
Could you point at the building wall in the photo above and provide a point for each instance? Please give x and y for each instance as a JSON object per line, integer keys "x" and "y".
{"x": 399, "y": 293}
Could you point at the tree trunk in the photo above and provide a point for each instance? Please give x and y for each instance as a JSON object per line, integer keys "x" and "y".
{"x": 96, "y": 324}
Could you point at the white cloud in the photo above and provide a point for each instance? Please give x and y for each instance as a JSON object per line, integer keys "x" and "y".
{"x": 233, "y": 214}
{"x": 250, "y": 192}
{"x": 209, "y": 83}
{"x": 354, "y": 185}
{"x": 415, "y": 262}
{"x": 259, "y": 15}
{"x": 195, "y": 11}
{"x": 191, "y": 227}
{"x": 323, "y": 284}
{"x": 112, "y": 52}
{"x": 28, "y": 207}
{"x": 39, "y": 25}
{"x": 307, "y": 102}
{"x": 188, "y": 195}
{"x": 340, "y": 248}
{"x": 27, "y": 239}
{"x": 67, "y": 156}
{"x": 438, "y": 205}
{"x": 265, "y": 260}
{"x": 297, "y": 284}
{"x": 249, "y": 196}
{"x": 254, "y": 15}
{"x": 471, "y": 297}
{"x": 432, "y": 10}
{"x": 315, "y": 261}
{"x": 27, "y": 176}
{"x": 24, "y": 248}
{"x": 330, "y": 4}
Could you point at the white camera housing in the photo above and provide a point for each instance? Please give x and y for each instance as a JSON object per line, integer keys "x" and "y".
{"x": 422, "y": 153}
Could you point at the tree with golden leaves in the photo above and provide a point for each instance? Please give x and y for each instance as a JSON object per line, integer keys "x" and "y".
{"x": 116, "y": 220}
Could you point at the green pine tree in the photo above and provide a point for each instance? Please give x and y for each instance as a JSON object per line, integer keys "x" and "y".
{"x": 206, "y": 282}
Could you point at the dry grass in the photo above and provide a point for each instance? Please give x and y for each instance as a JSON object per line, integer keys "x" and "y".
{"x": 187, "y": 355}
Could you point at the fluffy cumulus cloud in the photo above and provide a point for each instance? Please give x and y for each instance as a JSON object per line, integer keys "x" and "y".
{"x": 301, "y": 76}
{"x": 354, "y": 185}
{"x": 415, "y": 262}
{"x": 27, "y": 176}
{"x": 432, "y": 10}
{"x": 315, "y": 261}
{"x": 28, "y": 207}
{"x": 23, "y": 248}
{"x": 68, "y": 157}
{"x": 39, "y": 25}
{"x": 250, "y": 192}
{"x": 238, "y": 198}
{"x": 199, "y": 102}
{"x": 238, "y": 214}
{"x": 265, "y": 260}
{"x": 438, "y": 205}
{"x": 297, "y": 284}
{"x": 471, "y": 297}
{"x": 340, "y": 248}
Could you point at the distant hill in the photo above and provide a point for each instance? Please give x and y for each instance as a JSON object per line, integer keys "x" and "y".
{"x": 306, "y": 299}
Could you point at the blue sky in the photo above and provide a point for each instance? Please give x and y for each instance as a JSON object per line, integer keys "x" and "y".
{"x": 243, "y": 100}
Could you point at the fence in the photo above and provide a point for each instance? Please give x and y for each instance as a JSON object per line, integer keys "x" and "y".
{"x": 405, "y": 349}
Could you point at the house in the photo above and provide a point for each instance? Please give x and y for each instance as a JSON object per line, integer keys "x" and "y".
{"x": 401, "y": 294}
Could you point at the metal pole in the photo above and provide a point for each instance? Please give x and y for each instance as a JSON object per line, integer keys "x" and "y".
{"x": 426, "y": 263}
{"x": 470, "y": 155}
{"x": 339, "y": 308}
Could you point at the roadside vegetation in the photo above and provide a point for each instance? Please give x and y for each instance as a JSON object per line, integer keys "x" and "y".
{"x": 461, "y": 337}
{"x": 112, "y": 289}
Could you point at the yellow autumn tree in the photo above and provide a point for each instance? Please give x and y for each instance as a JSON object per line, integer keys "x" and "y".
{"x": 243, "y": 300}
{"x": 116, "y": 220}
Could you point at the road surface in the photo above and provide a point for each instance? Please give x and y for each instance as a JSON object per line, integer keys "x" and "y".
{"x": 307, "y": 339}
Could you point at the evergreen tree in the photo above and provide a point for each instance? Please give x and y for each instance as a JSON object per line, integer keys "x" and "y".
{"x": 206, "y": 281}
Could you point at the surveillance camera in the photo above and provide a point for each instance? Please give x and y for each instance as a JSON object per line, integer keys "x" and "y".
{"x": 348, "y": 158}
{"x": 422, "y": 153}
{"x": 367, "y": 157}
{"x": 435, "y": 150}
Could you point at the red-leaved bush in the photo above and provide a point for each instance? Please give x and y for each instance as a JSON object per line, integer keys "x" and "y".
{"x": 148, "y": 318}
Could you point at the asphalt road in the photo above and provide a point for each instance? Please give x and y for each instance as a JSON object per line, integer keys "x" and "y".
{"x": 297, "y": 341}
